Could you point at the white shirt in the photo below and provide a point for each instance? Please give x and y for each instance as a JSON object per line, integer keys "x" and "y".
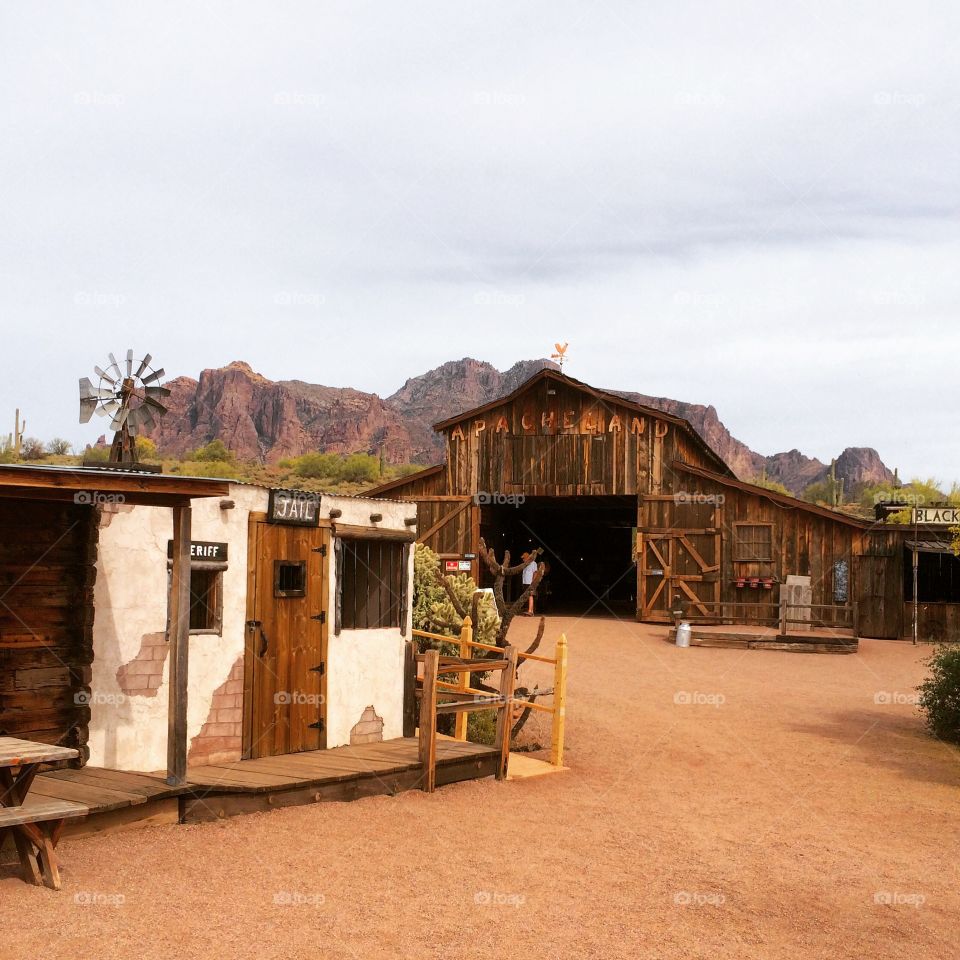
{"x": 529, "y": 572}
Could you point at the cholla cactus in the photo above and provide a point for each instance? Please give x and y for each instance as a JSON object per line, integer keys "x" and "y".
{"x": 433, "y": 606}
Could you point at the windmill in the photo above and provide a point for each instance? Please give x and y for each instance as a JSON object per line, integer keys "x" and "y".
{"x": 131, "y": 400}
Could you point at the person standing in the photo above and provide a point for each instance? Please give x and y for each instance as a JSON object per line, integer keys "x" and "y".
{"x": 529, "y": 572}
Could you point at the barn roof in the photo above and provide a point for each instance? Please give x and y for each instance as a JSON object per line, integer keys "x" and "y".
{"x": 404, "y": 480}
{"x": 604, "y": 396}
{"x": 781, "y": 499}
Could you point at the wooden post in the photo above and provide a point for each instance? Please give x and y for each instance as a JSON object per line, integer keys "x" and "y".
{"x": 559, "y": 702}
{"x": 179, "y": 641}
{"x": 505, "y": 713}
{"x": 428, "y": 720}
{"x": 466, "y": 652}
{"x": 784, "y": 605}
{"x": 409, "y": 690}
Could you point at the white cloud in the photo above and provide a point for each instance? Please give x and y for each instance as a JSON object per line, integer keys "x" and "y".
{"x": 747, "y": 205}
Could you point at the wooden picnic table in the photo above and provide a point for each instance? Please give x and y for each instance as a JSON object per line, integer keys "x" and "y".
{"x": 38, "y": 825}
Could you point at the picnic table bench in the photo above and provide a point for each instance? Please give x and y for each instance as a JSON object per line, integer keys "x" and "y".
{"x": 36, "y": 825}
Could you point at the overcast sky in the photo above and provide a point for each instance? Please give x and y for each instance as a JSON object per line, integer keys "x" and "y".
{"x": 749, "y": 204}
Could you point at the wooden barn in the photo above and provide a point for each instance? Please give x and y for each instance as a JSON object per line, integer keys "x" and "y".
{"x": 637, "y": 515}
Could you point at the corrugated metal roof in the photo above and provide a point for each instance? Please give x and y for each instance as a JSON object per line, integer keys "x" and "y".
{"x": 929, "y": 546}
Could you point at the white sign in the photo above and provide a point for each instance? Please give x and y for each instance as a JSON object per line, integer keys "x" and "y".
{"x": 949, "y": 515}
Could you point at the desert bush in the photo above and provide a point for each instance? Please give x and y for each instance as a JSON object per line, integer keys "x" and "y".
{"x": 58, "y": 447}
{"x": 214, "y": 452}
{"x": 32, "y": 449}
{"x": 940, "y": 694}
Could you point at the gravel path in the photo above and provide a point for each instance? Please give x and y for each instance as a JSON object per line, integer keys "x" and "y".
{"x": 719, "y": 803}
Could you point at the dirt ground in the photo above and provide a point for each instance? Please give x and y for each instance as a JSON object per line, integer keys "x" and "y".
{"x": 719, "y": 803}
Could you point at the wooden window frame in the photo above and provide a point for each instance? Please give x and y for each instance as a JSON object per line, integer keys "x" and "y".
{"x": 738, "y": 541}
{"x": 216, "y": 629}
{"x": 390, "y": 612}
{"x": 289, "y": 593}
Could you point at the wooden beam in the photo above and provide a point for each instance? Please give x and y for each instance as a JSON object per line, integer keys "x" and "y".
{"x": 428, "y": 721}
{"x": 505, "y": 713}
{"x": 179, "y": 639}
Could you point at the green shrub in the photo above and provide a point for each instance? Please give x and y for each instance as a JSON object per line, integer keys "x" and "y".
{"x": 316, "y": 465}
{"x": 940, "y": 694}
{"x": 214, "y": 452}
{"x": 215, "y": 469}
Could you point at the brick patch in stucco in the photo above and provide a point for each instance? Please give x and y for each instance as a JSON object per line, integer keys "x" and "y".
{"x": 219, "y": 739}
{"x": 142, "y": 676}
{"x": 368, "y": 729}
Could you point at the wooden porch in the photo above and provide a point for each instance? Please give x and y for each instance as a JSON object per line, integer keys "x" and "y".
{"x": 117, "y": 799}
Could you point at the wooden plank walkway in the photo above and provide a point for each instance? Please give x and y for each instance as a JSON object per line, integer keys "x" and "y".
{"x": 218, "y": 790}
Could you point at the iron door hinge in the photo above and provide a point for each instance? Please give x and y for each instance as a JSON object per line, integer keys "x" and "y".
{"x": 316, "y": 726}
{"x": 322, "y": 616}
{"x": 320, "y": 668}
{"x": 321, "y": 550}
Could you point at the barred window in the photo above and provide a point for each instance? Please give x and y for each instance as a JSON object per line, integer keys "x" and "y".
{"x": 371, "y": 584}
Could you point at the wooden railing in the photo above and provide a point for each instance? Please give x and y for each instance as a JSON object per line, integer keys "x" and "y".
{"x": 465, "y": 701}
{"x": 843, "y": 616}
{"x": 557, "y": 709}
{"x": 773, "y": 613}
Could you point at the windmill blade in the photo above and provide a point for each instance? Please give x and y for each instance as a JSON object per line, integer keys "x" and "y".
{"x": 156, "y": 375}
{"x": 129, "y": 362}
{"x": 108, "y": 409}
{"x": 87, "y": 407}
{"x": 103, "y": 375}
{"x": 89, "y": 392}
{"x": 155, "y": 405}
{"x": 133, "y": 420}
{"x": 120, "y": 419}
{"x": 157, "y": 392}
{"x": 114, "y": 365}
{"x": 144, "y": 363}
{"x": 145, "y": 417}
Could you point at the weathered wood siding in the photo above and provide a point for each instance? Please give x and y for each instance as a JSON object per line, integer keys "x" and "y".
{"x": 558, "y": 440}
{"x": 47, "y": 571}
{"x": 802, "y": 543}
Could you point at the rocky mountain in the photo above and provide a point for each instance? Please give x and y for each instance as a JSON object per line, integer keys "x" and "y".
{"x": 856, "y": 465}
{"x": 266, "y": 420}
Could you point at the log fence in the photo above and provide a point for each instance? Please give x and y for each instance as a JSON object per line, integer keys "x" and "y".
{"x": 556, "y": 710}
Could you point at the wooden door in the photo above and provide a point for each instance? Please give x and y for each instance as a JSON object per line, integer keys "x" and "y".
{"x": 285, "y": 680}
{"x": 879, "y": 596}
{"x": 679, "y": 555}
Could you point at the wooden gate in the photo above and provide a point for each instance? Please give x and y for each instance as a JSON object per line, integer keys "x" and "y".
{"x": 285, "y": 683}
{"x": 879, "y": 596}
{"x": 678, "y": 551}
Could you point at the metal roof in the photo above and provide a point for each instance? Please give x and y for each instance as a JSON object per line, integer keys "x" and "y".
{"x": 929, "y": 546}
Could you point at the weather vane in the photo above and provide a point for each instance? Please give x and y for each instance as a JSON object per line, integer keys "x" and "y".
{"x": 560, "y": 355}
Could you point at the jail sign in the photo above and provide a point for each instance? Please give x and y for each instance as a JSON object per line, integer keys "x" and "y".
{"x": 294, "y": 507}
{"x": 941, "y": 515}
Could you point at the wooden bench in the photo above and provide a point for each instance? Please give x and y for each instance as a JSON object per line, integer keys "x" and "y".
{"x": 36, "y": 828}
{"x": 36, "y": 825}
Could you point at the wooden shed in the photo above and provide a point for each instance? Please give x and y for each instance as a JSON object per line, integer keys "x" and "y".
{"x": 49, "y": 521}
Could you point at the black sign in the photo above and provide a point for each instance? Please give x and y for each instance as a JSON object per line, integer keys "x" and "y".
{"x": 294, "y": 507}
{"x": 202, "y": 550}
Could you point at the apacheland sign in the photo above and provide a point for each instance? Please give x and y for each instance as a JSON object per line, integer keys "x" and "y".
{"x": 941, "y": 515}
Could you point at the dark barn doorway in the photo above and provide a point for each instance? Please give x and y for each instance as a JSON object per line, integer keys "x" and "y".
{"x": 588, "y": 544}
